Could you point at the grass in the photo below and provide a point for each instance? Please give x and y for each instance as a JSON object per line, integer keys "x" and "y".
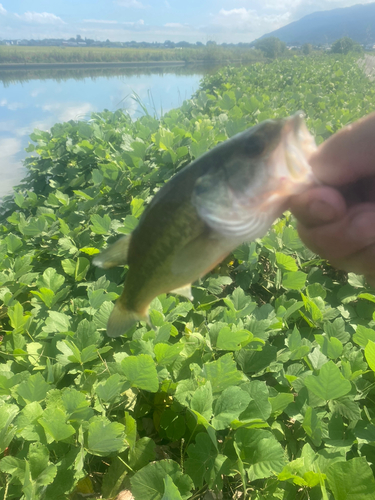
{"x": 32, "y": 55}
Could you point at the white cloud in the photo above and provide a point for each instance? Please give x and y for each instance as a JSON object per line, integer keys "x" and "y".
{"x": 2, "y": 10}
{"x": 40, "y": 18}
{"x": 101, "y": 21}
{"x": 63, "y": 112}
{"x": 11, "y": 169}
{"x": 12, "y": 106}
{"x": 247, "y": 21}
{"x": 174, "y": 25}
{"x": 133, "y": 4}
{"x": 140, "y": 22}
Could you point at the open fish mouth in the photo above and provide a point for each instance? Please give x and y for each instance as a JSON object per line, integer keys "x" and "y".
{"x": 292, "y": 173}
{"x": 299, "y": 145}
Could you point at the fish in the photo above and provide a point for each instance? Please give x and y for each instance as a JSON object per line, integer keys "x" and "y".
{"x": 230, "y": 195}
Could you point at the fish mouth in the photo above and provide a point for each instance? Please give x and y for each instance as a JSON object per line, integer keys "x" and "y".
{"x": 292, "y": 174}
{"x": 299, "y": 145}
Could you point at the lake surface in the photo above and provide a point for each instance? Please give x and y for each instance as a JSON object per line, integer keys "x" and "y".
{"x": 37, "y": 99}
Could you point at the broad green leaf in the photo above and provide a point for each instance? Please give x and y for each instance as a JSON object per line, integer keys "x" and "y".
{"x": 110, "y": 388}
{"x": 294, "y": 280}
{"x": 51, "y": 280}
{"x": 57, "y": 322}
{"x": 55, "y": 426}
{"x": 261, "y": 454}
{"x": 141, "y": 372}
{"x": 201, "y": 401}
{"x": 222, "y": 373}
{"x": 35, "y": 388}
{"x": 229, "y": 405}
{"x": 259, "y": 406}
{"x": 281, "y": 401}
{"x": 100, "y": 225}
{"x": 351, "y": 480}
{"x": 285, "y": 262}
{"x": 363, "y": 335}
{"x": 142, "y": 453}
{"x": 204, "y": 463}
{"x": 329, "y": 384}
{"x": 171, "y": 491}
{"x": 149, "y": 481}
{"x": 13, "y": 242}
{"x": 231, "y": 341}
{"x": 104, "y": 437}
{"x": 166, "y": 354}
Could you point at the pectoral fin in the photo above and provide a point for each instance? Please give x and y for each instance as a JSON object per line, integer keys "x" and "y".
{"x": 224, "y": 212}
{"x": 114, "y": 255}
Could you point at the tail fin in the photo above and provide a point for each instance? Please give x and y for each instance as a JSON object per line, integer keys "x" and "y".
{"x": 122, "y": 319}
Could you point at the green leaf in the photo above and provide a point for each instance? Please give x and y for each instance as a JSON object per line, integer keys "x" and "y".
{"x": 100, "y": 225}
{"x": 104, "y": 437}
{"x": 7, "y": 430}
{"x": 281, "y": 401}
{"x": 13, "y": 243}
{"x": 201, "y": 401}
{"x": 167, "y": 354}
{"x": 204, "y": 463}
{"x": 110, "y": 388}
{"x": 363, "y": 335}
{"x": 171, "y": 491}
{"x": 35, "y": 388}
{"x": 329, "y": 384}
{"x": 285, "y": 262}
{"x": 352, "y": 480}
{"x": 142, "y": 453}
{"x": 57, "y": 322}
{"x": 141, "y": 372}
{"x": 55, "y": 426}
{"x": 313, "y": 426}
{"x": 51, "y": 280}
{"x": 294, "y": 280}
{"x": 229, "y": 405}
{"x": 222, "y": 373}
{"x": 38, "y": 458}
{"x": 149, "y": 481}
{"x": 259, "y": 406}
{"x": 370, "y": 354}
{"x": 261, "y": 454}
{"x": 231, "y": 341}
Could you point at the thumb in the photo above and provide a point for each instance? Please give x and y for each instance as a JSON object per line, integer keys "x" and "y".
{"x": 348, "y": 155}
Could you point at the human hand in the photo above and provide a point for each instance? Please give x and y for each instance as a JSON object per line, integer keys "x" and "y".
{"x": 337, "y": 219}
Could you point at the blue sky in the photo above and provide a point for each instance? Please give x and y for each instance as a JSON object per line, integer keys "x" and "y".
{"x": 154, "y": 20}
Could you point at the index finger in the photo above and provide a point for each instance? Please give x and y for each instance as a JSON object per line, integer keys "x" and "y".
{"x": 348, "y": 155}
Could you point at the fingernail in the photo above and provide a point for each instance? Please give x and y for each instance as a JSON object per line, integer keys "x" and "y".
{"x": 320, "y": 209}
{"x": 362, "y": 227}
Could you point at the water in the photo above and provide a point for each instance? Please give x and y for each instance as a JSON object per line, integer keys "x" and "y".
{"x": 37, "y": 99}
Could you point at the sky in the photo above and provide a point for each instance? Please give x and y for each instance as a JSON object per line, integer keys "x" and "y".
{"x": 155, "y": 20}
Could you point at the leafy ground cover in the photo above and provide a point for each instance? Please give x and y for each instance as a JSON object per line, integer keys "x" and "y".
{"x": 262, "y": 387}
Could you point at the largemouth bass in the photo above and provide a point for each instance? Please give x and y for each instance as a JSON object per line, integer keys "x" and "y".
{"x": 230, "y": 195}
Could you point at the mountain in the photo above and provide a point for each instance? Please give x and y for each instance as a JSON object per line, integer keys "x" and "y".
{"x": 324, "y": 27}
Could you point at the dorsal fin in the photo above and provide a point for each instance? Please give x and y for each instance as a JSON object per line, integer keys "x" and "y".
{"x": 114, "y": 255}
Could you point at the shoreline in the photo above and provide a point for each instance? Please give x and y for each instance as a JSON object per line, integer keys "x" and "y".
{"x": 128, "y": 64}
